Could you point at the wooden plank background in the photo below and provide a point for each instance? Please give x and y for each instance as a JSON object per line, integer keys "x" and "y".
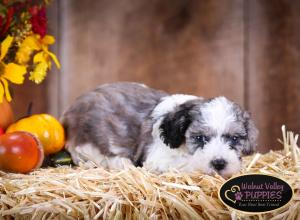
{"x": 245, "y": 50}
{"x": 274, "y": 67}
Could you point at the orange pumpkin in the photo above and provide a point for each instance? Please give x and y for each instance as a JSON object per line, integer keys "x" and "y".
{"x": 46, "y": 128}
{"x": 6, "y": 114}
{"x": 20, "y": 152}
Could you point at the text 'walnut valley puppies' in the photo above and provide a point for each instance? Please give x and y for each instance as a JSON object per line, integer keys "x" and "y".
{"x": 129, "y": 121}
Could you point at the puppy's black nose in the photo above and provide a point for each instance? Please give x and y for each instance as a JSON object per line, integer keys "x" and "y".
{"x": 218, "y": 164}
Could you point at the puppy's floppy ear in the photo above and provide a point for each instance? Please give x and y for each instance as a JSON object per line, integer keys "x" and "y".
{"x": 175, "y": 124}
{"x": 252, "y": 134}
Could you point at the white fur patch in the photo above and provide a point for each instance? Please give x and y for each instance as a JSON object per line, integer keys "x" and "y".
{"x": 218, "y": 114}
{"x": 86, "y": 152}
{"x": 169, "y": 103}
{"x": 89, "y": 153}
{"x": 162, "y": 158}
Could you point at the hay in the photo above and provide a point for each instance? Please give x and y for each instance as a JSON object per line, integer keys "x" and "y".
{"x": 135, "y": 193}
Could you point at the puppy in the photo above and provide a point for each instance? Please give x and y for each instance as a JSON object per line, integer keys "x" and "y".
{"x": 129, "y": 121}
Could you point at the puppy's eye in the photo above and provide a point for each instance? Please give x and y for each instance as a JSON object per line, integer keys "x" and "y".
{"x": 234, "y": 140}
{"x": 202, "y": 139}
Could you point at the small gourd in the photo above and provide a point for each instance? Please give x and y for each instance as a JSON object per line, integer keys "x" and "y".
{"x": 46, "y": 128}
{"x": 61, "y": 158}
{"x": 6, "y": 114}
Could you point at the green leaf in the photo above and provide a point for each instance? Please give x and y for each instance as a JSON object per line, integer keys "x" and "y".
{"x": 3, "y": 10}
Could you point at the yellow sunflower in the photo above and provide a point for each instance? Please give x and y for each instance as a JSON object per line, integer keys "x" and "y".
{"x": 9, "y": 72}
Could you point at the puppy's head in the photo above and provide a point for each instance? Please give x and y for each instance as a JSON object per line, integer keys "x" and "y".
{"x": 217, "y": 133}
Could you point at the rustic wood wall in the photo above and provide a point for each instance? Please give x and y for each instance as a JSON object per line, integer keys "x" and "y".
{"x": 274, "y": 67}
{"x": 179, "y": 46}
{"x": 245, "y": 50}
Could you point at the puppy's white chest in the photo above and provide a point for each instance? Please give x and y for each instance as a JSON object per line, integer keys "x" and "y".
{"x": 162, "y": 158}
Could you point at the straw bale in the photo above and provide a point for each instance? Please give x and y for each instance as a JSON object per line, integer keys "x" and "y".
{"x": 135, "y": 193}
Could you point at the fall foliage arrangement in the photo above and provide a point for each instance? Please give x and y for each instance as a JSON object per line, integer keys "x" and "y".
{"x": 24, "y": 43}
{"x": 24, "y": 52}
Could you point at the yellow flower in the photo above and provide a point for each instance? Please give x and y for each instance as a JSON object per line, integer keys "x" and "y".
{"x": 39, "y": 73}
{"x": 42, "y": 58}
{"x": 27, "y": 47}
{"x": 9, "y": 72}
